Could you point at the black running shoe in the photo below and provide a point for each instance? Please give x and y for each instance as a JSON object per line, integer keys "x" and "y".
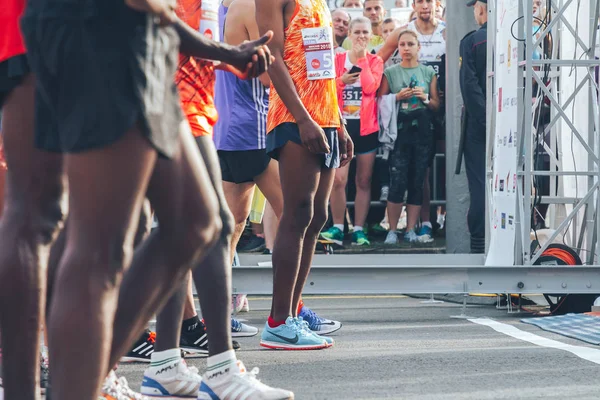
{"x": 142, "y": 349}
{"x": 196, "y": 341}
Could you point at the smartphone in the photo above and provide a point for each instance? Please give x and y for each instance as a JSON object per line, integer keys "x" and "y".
{"x": 355, "y": 70}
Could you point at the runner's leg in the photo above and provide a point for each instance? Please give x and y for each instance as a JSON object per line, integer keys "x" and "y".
{"x": 299, "y": 170}
{"x": 239, "y": 201}
{"x": 98, "y": 249}
{"x": 213, "y": 274}
{"x": 321, "y": 201}
{"x": 188, "y": 227}
{"x": 31, "y": 218}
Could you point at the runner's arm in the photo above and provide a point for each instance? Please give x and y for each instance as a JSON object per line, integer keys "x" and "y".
{"x": 253, "y": 34}
{"x": 391, "y": 44}
{"x": 384, "y": 88}
{"x": 269, "y": 16}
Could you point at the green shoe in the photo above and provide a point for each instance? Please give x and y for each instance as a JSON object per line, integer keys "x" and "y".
{"x": 360, "y": 239}
{"x": 334, "y": 235}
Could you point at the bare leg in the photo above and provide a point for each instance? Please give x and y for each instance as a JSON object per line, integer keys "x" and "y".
{"x": 394, "y": 211}
{"x": 168, "y": 320}
{"x": 269, "y": 183}
{"x": 364, "y": 173}
{"x": 189, "y": 308}
{"x": 338, "y": 195}
{"x": 239, "y": 201}
{"x": 213, "y": 274}
{"x": 98, "y": 249}
{"x": 310, "y": 238}
{"x": 412, "y": 216}
{"x": 300, "y": 172}
{"x": 188, "y": 227}
{"x": 31, "y": 218}
{"x": 270, "y": 224}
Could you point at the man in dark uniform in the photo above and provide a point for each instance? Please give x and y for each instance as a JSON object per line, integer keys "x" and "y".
{"x": 473, "y": 71}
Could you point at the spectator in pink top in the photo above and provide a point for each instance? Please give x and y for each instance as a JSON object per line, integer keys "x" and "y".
{"x": 358, "y": 77}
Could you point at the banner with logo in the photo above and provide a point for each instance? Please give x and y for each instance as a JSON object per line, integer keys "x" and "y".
{"x": 505, "y": 136}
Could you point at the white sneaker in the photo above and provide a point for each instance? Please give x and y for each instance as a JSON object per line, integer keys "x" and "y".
{"x": 391, "y": 238}
{"x": 237, "y": 302}
{"x": 411, "y": 237}
{"x": 242, "y": 385}
{"x": 246, "y": 306}
{"x": 1, "y": 390}
{"x": 174, "y": 379}
{"x": 239, "y": 329}
{"x": 118, "y": 389}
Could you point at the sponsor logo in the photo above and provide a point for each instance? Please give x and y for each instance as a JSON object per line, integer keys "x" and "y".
{"x": 293, "y": 340}
{"x": 168, "y": 368}
{"x": 503, "y": 221}
{"x": 502, "y": 185}
{"x": 315, "y": 63}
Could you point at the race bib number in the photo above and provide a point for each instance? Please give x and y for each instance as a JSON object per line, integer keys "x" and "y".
{"x": 352, "y": 98}
{"x": 209, "y": 19}
{"x": 318, "y": 48}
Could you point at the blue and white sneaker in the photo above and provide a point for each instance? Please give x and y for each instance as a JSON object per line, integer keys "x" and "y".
{"x": 320, "y": 326}
{"x": 238, "y": 384}
{"x": 171, "y": 380}
{"x": 330, "y": 342}
{"x": 290, "y": 336}
{"x": 425, "y": 234}
{"x": 239, "y": 329}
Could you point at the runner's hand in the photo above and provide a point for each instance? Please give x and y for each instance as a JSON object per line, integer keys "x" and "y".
{"x": 346, "y": 146}
{"x": 313, "y": 137}
{"x": 349, "y": 79}
{"x": 404, "y": 94}
{"x": 253, "y": 58}
{"x": 419, "y": 93}
{"x": 163, "y": 9}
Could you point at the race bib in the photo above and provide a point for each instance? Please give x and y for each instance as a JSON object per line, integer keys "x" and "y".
{"x": 318, "y": 48}
{"x": 352, "y": 98}
{"x": 209, "y": 19}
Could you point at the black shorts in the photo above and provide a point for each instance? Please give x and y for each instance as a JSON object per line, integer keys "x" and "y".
{"x": 243, "y": 166}
{"x": 288, "y": 131}
{"x": 362, "y": 144}
{"x": 98, "y": 77}
{"x": 12, "y": 73}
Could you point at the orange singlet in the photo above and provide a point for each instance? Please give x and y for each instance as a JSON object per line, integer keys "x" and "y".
{"x": 309, "y": 38}
{"x": 195, "y": 78}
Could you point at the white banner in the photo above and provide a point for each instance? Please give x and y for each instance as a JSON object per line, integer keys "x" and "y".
{"x": 504, "y": 157}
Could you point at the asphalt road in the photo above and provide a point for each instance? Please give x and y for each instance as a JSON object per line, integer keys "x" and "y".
{"x": 395, "y": 347}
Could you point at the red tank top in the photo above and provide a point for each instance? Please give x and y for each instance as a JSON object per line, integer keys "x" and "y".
{"x": 308, "y": 54}
{"x": 11, "y": 41}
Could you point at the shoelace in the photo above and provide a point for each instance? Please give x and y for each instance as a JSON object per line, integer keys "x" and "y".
{"x": 312, "y": 315}
{"x": 124, "y": 390}
{"x": 236, "y": 325}
{"x": 189, "y": 373}
{"x": 301, "y": 327}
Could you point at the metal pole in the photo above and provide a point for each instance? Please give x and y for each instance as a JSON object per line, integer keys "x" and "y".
{"x": 526, "y": 222}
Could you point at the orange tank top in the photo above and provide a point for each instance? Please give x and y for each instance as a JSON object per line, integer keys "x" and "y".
{"x": 195, "y": 78}
{"x": 308, "y": 54}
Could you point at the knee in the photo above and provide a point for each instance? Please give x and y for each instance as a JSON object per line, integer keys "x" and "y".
{"x": 228, "y": 223}
{"x": 363, "y": 183}
{"x": 340, "y": 182}
{"x": 239, "y": 215}
{"x": 300, "y": 217}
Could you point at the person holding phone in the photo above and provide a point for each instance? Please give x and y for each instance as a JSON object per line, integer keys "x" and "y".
{"x": 358, "y": 75}
{"x": 415, "y": 86}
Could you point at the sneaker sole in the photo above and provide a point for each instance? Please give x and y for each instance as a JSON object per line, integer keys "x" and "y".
{"x": 135, "y": 359}
{"x": 169, "y": 397}
{"x": 327, "y": 332}
{"x": 279, "y": 346}
{"x": 338, "y": 242}
{"x": 193, "y": 351}
{"x": 243, "y": 334}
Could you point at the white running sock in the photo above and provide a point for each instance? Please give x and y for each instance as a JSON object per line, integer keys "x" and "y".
{"x": 220, "y": 366}
{"x": 427, "y": 224}
{"x": 358, "y": 228}
{"x": 339, "y": 226}
{"x": 164, "y": 363}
